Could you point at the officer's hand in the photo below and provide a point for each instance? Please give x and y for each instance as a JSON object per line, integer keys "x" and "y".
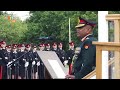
{"x": 38, "y": 63}
{"x": 69, "y": 77}
{"x": 26, "y": 64}
{"x": 33, "y": 63}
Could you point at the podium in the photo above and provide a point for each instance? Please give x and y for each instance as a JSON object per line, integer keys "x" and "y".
{"x": 53, "y": 65}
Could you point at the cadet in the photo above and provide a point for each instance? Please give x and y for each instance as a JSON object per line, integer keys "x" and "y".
{"x": 40, "y": 65}
{"x": 69, "y": 55}
{"x": 3, "y": 60}
{"x": 54, "y": 48}
{"x": 36, "y": 63}
{"x": 30, "y": 59}
{"x": 22, "y": 60}
{"x": 61, "y": 53}
{"x": 85, "y": 63}
{"x": 0, "y": 64}
{"x": 9, "y": 58}
{"x": 47, "y": 47}
{"x": 15, "y": 66}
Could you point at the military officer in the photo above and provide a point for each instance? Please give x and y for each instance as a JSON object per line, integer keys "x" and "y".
{"x": 86, "y": 60}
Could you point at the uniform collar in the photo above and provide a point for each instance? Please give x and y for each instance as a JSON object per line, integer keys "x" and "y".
{"x": 55, "y": 49}
{"x": 71, "y": 49}
{"x": 84, "y": 38}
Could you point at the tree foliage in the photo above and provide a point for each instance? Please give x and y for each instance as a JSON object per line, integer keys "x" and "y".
{"x": 56, "y": 23}
{"x": 12, "y": 30}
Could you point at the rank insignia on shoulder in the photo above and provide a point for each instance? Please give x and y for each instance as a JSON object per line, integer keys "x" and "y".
{"x": 86, "y": 46}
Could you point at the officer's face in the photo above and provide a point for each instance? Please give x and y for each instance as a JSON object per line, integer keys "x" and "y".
{"x": 81, "y": 32}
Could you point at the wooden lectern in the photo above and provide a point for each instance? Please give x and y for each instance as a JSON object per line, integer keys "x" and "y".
{"x": 54, "y": 68}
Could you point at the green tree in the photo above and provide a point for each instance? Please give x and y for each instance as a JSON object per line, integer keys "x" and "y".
{"x": 12, "y": 30}
{"x": 56, "y": 23}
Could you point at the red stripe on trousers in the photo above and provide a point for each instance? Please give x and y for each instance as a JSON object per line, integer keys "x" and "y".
{"x": 0, "y": 72}
{"x": 70, "y": 69}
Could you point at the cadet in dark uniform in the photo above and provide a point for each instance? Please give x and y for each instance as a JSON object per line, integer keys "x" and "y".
{"x": 36, "y": 58}
{"x": 15, "y": 66}
{"x": 61, "y": 53}
{"x": 54, "y": 48}
{"x": 85, "y": 63}
{"x": 9, "y": 55}
{"x": 3, "y": 60}
{"x": 30, "y": 59}
{"x": 69, "y": 55}
{"x": 41, "y": 67}
{"x": 0, "y": 64}
{"x": 5, "y": 55}
{"x": 47, "y": 75}
{"x": 22, "y": 60}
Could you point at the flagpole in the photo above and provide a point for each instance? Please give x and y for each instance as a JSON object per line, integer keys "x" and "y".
{"x": 69, "y": 32}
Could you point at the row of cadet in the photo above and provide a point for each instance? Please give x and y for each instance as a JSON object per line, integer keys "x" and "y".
{"x": 19, "y": 61}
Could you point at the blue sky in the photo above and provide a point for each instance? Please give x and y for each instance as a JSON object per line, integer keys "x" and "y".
{"x": 21, "y": 14}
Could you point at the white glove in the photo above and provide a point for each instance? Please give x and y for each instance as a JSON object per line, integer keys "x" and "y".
{"x": 9, "y": 63}
{"x": 65, "y": 62}
{"x": 38, "y": 63}
{"x": 14, "y": 59}
{"x": 36, "y": 58}
{"x": 24, "y": 59}
{"x": 26, "y": 64}
{"x": 6, "y": 57}
{"x": 33, "y": 63}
